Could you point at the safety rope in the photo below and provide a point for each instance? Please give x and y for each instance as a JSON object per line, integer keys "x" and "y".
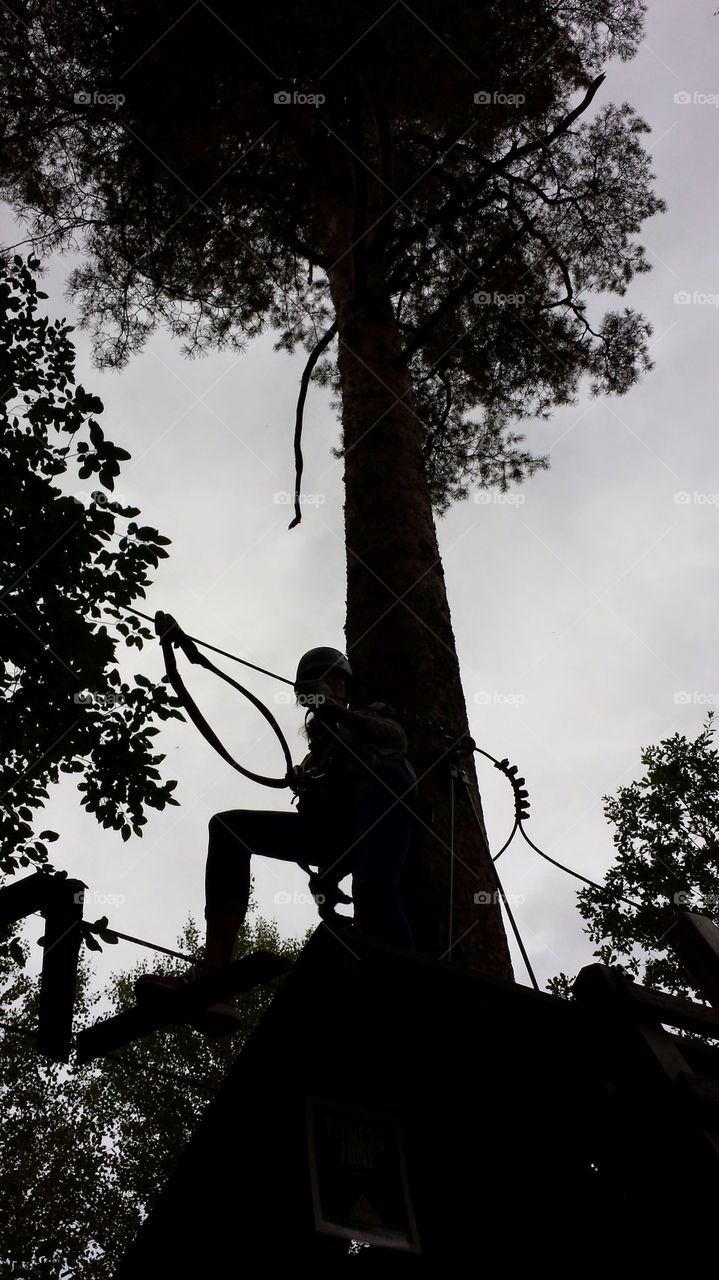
{"x": 151, "y": 946}
{"x": 172, "y": 637}
{"x": 213, "y": 648}
{"x": 456, "y": 772}
{"x": 521, "y": 803}
{"x": 102, "y": 929}
{"x": 500, "y": 889}
{"x": 465, "y": 745}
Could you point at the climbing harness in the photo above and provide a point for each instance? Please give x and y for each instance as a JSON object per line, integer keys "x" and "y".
{"x": 171, "y": 637}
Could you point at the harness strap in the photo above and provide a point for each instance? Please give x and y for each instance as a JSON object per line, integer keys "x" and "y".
{"x": 171, "y": 636}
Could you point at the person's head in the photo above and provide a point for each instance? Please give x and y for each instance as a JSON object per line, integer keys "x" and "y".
{"x": 323, "y": 665}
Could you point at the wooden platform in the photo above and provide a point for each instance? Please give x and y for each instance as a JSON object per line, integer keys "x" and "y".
{"x": 536, "y": 1133}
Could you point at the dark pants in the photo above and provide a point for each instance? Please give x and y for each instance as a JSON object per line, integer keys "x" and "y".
{"x": 370, "y": 839}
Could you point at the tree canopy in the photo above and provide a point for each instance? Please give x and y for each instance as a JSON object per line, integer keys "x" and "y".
{"x": 205, "y": 159}
{"x": 446, "y": 191}
{"x": 666, "y": 835}
{"x": 117, "y": 1124}
{"x": 68, "y": 562}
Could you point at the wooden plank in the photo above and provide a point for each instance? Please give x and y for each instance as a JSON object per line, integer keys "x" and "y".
{"x": 695, "y": 939}
{"x": 598, "y": 983}
{"x": 632, "y": 1018}
{"x": 675, "y": 1010}
{"x": 701, "y": 1056}
{"x": 607, "y": 995}
{"x": 23, "y": 897}
{"x": 166, "y": 1010}
{"x": 112, "y": 1033}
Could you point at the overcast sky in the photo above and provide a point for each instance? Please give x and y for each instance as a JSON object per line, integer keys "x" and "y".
{"x": 584, "y": 608}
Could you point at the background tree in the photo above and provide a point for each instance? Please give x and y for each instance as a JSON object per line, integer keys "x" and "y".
{"x": 85, "y": 1150}
{"x": 667, "y": 841}
{"x": 67, "y": 562}
{"x": 417, "y": 181}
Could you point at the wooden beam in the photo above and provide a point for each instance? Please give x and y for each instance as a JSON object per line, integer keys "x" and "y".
{"x": 695, "y": 940}
{"x": 58, "y": 981}
{"x": 597, "y": 983}
{"x": 23, "y": 897}
{"x": 675, "y": 1010}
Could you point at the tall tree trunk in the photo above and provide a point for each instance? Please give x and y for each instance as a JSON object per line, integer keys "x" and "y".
{"x": 399, "y": 633}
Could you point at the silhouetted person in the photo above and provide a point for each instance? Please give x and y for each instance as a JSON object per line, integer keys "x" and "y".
{"x": 356, "y": 792}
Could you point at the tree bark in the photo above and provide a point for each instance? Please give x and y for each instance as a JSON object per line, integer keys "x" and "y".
{"x": 399, "y": 633}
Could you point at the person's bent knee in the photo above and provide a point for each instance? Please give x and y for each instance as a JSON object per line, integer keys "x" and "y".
{"x": 232, "y": 831}
{"x": 222, "y": 822}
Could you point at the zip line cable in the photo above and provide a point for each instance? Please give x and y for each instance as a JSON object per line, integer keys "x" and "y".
{"x": 223, "y": 652}
{"x": 152, "y": 946}
{"x": 140, "y": 942}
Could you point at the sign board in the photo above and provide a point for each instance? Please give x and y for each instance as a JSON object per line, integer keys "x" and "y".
{"x": 359, "y": 1176}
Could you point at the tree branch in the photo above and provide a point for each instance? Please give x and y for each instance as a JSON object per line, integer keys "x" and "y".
{"x": 315, "y": 354}
{"x": 471, "y": 280}
{"x": 453, "y": 207}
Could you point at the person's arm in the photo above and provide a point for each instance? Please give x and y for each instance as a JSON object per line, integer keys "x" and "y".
{"x": 367, "y": 725}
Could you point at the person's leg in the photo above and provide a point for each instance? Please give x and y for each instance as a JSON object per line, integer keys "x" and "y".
{"x": 234, "y": 836}
{"x": 382, "y": 824}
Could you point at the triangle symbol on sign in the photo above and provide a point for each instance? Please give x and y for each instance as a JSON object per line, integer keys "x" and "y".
{"x": 364, "y": 1214}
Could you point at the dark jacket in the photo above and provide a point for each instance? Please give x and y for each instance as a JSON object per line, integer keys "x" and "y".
{"x": 342, "y": 752}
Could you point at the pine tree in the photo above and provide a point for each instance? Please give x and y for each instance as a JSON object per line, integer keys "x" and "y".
{"x": 439, "y": 189}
